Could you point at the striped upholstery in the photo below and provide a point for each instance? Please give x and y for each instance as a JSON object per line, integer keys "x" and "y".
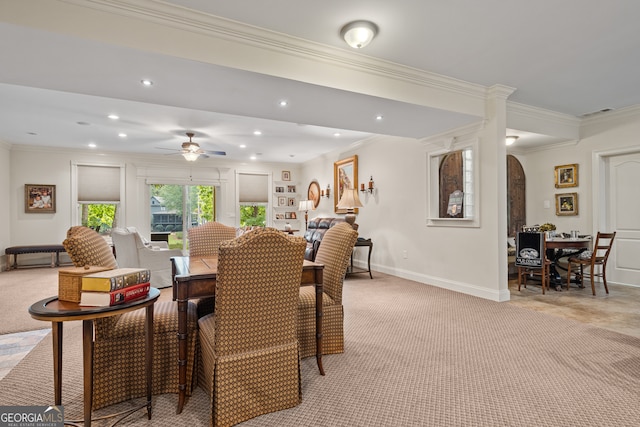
{"x": 250, "y": 364}
{"x": 335, "y": 253}
{"x": 118, "y": 361}
{"x": 204, "y": 240}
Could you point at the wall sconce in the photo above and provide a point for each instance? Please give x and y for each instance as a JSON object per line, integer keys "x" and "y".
{"x": 369, "y": 188}
{"x": 326, "y": 193}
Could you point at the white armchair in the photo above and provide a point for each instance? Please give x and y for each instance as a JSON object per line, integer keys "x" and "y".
{"x": 132, "y": 251}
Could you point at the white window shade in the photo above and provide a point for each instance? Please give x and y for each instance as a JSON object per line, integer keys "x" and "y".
{"x": 98, "y": 183}
{"x": 253, "y": 188}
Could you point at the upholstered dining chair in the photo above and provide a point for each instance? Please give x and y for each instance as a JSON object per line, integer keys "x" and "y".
{"x": 531, "y": 258}
{"x": 204, "y": 240}
{"x": 119, "y": 341}
{"x": 335, "y": 253}
{"x": 250, "y": 362}
{"x": 595, "y": 258}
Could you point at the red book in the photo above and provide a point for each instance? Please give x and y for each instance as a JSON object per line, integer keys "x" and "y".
{"x": 103, "y": 299}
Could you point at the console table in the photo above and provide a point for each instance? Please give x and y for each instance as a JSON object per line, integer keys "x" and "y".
{"x": 355, "y": 270}
{"x": 56, "y": 311}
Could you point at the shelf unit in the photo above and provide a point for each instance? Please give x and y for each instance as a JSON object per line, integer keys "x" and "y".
{"x": 285, "y": 204}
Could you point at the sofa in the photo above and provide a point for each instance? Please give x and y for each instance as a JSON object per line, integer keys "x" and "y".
{"x": 316, "y": 228}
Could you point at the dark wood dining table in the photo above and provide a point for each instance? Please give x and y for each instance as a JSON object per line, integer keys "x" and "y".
{"x": 195, "y": 277}
{"x": 556, "y": 249}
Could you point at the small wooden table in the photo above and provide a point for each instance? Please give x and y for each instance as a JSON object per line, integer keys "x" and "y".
{"x": 56, "y": 311}
{"x": 196, "y": 278}
{"x": 557, "y": 245}
{"x": 360, "y": 243}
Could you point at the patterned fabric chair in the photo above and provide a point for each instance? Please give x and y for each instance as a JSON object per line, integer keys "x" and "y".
{"x": 249, "y": 346}
{"x": 335, "y": 253}
{"x": 119, "y": 340}
{"x": 204, "y": 240}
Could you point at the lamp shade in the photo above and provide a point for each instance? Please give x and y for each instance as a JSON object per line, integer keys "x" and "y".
{"x": 359, "y": 34}
{"x": 349, "y": 200}
{"x": 190, "y": 156}
{"x": 306, "y": 205}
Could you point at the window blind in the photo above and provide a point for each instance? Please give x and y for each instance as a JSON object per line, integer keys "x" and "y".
{"x": 98, "y": 183}
{"x": 253, "y": 188}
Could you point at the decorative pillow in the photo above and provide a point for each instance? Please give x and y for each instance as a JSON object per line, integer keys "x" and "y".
{"x": 86, "y": 247}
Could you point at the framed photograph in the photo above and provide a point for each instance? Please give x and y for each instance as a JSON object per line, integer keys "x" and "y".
{"x": 345, "y": 176}
{"x": 292, "y": 201}
{"x": 293, "y": 215}
{"x": 39, "y": 198}
{"x": 313, "y": 193}
{"x": 287, "y": 215}
{"x": 567, "y": 204}
{"x": 279, "y": 189}
{"x": 279, "y": 216}
{"x": 282, "y": 201}
{"x": 566, "y": 176}
{"x": 286, "y": 175}
{"x": 291, "y": 188}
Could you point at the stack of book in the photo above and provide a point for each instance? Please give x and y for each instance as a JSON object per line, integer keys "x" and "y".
{"x": 114, "y": 287}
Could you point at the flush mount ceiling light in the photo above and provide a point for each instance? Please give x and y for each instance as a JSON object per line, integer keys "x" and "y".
{"x": 358, "y": 34}
{"x": 511, "y": 139}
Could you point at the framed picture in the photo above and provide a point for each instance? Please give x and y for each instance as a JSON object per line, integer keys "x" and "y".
{"x": 566, "y": 176}
{"x": 282, "y": 201}
{"x": 567, "y": 204}
{"x": 286, "y": 175}
{"x": 345, "y": 176}
{"x": 291, "y": 188}
{"x": 292, "y": 201}
{"x": 313, "y": 193}
{"x": 287, "y": 215}
{"x": 39, "y": 198}
{"x": 279, "y": 216}
{"x": 293, "y": 215}
{"x": 279, "y": 189}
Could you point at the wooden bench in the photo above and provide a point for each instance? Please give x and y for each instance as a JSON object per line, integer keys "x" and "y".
{"x": 14, "y": 251}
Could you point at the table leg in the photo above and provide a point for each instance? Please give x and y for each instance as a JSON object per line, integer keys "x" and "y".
{"x": 182, "y": 353}
{"x": 319, "y": 291}
{"x": 149, "y": 355}
{"x": 369, "y": 260}
{"x": 87, "y": 362}
{"x": 56, "y": 335}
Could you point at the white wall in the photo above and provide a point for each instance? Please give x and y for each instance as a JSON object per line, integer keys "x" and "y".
{"x": 47, "y": 166}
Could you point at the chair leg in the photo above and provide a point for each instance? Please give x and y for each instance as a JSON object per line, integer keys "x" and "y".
{"x": 604, "y": 276}
{"x": 593, "y": 285}
{"x": 568, "y": 275}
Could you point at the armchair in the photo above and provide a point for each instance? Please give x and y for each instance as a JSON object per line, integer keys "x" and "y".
{"x": 119, "y": 340}
{"x": 132, "y": 251}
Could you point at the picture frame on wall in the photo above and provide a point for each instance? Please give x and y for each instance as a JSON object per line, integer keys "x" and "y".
{"x": 286, "y": 175}
{"x": 39, "y": 198}
{"x": 282, "y": 201}
{"x": 566, "y": 176}
{"x": 345, "y": 175}
{"x": 566, "y": 204}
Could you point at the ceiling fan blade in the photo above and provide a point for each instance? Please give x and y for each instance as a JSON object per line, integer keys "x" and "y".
{"x": 215, "y": 153}
{"x": 170, "y": 149}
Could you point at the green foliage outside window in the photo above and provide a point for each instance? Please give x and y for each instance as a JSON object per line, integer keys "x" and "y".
{"x": 99, "y": 216}
{"x": 253, "y": 215}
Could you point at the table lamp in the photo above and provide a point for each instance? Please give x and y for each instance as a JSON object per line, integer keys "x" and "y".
{"x": 350, "y": 201}
{"x": 306, "y": 206}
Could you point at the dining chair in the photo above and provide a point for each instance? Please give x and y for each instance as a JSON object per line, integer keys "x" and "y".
{"x": 204, "y": 240}
{"x": 119, "y": 341}
{"x": 531, "y": 258}
{"x": 334, "y": 253}
{"x": 594, "y": 258}
{"x": 250, "y": 361}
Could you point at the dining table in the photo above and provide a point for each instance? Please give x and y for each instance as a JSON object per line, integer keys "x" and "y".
{"x": 195, "y": 277}
{"x": 559, "y": 247}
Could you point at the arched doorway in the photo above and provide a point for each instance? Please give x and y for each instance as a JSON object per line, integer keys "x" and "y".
{"x": 516, "y": 196}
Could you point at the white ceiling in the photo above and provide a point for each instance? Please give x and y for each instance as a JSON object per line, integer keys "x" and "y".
{"x": 573, "y": 57}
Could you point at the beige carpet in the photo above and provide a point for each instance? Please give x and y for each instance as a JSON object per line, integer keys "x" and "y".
{"x": 417, "y": 355}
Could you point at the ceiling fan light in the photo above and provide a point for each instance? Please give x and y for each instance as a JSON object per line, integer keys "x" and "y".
{"x": 190, "y": 156}
{"x": 359, "y": 34}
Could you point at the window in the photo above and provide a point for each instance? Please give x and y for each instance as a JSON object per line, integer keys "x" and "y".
{"x": 253, "y": 199}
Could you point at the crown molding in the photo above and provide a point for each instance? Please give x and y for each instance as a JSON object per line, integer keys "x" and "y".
{"x": 632, "y": 111}
{"x": 190, "y": 20}
{"x": 537, "y": 113}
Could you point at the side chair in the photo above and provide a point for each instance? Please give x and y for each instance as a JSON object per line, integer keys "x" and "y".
{"x": 204, "y": 240}
{"x": 335, "y": 253}
{"x": 596, "y": 257}
{"x": 119, "y": 341}
{"x": 250, "y": 360}
{"x": 531, "y": 258}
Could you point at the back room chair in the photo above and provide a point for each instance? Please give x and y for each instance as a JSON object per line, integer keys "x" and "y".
{"x": 249, "y": 346}
{"x": 120, "y": 341}
{"x": 597, "y": 257}
{"x": 335, "y": 253}
{"x": 531, "y": 258}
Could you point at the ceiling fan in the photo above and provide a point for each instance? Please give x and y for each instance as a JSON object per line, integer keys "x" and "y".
{"x": 191, "y": 150}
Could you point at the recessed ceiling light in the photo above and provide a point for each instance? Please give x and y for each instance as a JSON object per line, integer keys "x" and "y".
{"x": 243, "y": 146}
{"x": 253, "y": 157}
{"x": 146, "y": 82}
{"x": 379, "y": 117}
{"x": 92, "y": 145}
{"x": 337, "y": 134}
{"x": 257, "y": 132}
{"x": 122, "y": 135}
{"x": 284, "y": 103}
{"x": 113, "y": 116}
